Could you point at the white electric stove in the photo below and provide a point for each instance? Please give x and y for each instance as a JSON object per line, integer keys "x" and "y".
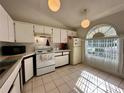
{"x": 45, "y": 61}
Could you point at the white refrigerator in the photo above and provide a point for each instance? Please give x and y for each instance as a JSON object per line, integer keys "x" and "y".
{"x": 76, "y": 51}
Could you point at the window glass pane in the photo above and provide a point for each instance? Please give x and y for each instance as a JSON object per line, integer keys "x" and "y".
{"x": 107, "y": 30}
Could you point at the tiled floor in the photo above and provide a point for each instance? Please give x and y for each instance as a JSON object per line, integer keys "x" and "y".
{"x": 75, "y": 79}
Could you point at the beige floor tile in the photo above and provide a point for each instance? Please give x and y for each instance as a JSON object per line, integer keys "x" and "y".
{"x": 37, "y": 78}
{"x": 50, "y": 86}
{"x": 59, "y": 82}
{"x": 103, "y": 75}
{"x": 47, "y": 80}
{"x": 64, "y": 88}
{"x": 37, "y": 83}
{"x": 71, "y": 84}
{"x": 114, "y": 80}
{"x": 55, "y": 76}
{"x": 53, "y": 91}
{"x": 28, "y": 86}
{"x": 64, "y": 73}
{"x": 63, "y": 80}
{"x": 47, "y": 75}
{"x": 66, "y": 78}
{"x": 39, "y": 89}
{"x": 73, "y": 91}
{"x": 27, "y": 91}
{"x": 121, "y": 85}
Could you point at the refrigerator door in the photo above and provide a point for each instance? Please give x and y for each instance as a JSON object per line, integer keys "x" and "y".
{"x": 76, "y": 42}
{"x": 75, "y": 55}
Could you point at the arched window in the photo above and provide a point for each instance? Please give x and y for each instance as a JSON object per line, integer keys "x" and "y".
{"x": 100, "y": 50}
{"x": 103, "y": 30}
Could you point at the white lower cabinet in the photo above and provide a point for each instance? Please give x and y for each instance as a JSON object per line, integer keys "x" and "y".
{"x": 62, "y": 60}
{"x": 16, "y": 85}
{"x": 1, "y": 91}
{"x": 28, "y": 65}
{"x": 9, "y": 82}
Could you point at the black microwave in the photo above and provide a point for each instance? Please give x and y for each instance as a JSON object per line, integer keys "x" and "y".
{"x": 12, "y": 50}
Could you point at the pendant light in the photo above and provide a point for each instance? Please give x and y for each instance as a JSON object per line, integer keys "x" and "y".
{"x": 85, "y": 23}
{"x": 54, "y": 5}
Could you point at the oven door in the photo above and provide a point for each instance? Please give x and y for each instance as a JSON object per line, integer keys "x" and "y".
{"x": 43, "y": 60}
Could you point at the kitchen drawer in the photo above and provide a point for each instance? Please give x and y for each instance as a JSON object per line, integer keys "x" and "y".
{"x": 65, "y": 53}
{"x": 45, "y": 70}
{"x": 58, "y": 54}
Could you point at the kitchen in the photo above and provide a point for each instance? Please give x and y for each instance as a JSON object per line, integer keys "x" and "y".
{"x": 42, "y": 55}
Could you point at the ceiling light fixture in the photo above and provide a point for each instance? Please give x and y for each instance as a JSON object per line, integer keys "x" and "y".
{"x": 85, "y": 23}
{"x": 54, "y": 5}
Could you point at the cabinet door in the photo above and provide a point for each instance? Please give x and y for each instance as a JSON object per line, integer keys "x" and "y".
{"x": 28, "y": 64}
{"x": 24, "y": 32}
{"x": 1, "y": 90}
{"x": 56, "y": 35}
{"x": 11, "y": 29}
{"x": 3, "y": 25}
{"x": 39, "y": 29}
{"x": 70, "y": 33}
{"x": 48, "y": 30}
{"x": 13, "y": 90}
{"x": 16, "y": 85}
{"x": 61, "y": 60}
{"x": 74, "y": 34}
{"x": 63, "y": 36}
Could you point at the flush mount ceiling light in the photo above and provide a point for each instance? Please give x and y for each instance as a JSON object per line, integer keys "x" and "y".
{"x": 54, "y": 5}
{"x": 85, "y": 22}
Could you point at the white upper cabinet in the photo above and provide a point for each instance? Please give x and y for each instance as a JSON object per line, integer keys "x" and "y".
{"x": 39, "y": 29}
{"x": 11, "y": 29}
{"x": 56, "y": 35}
{"x": 43, "y": 29}
{"x": 48, "y": 30}
{"x": 24, "y": 32}
{"x": 63, "y": 36}
{"x": 6, "y": 26}
{"x": 72, "y": 33}
{"x": 3, "y": 25}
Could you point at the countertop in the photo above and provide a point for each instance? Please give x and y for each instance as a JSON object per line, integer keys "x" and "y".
{"x": 4, "y": 76}
{"x": 57, "y": 51}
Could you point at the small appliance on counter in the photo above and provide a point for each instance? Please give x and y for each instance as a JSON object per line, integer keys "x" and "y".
{"x": 63, "y": 46}
{"x": 12, "y": 50}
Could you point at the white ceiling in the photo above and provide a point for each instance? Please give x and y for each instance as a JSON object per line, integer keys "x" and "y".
{"x": 69, "y": 16}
